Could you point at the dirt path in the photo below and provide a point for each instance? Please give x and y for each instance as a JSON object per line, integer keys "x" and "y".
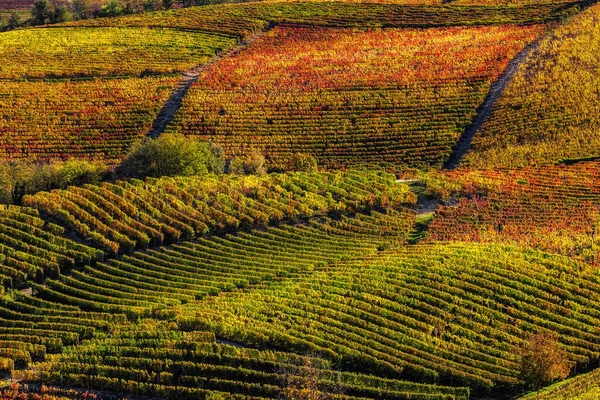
{"x": 464, "y": 143}
{"x": 167, "y": 112}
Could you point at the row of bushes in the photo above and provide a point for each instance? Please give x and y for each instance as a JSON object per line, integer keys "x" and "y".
{"x": 169, "y": 155}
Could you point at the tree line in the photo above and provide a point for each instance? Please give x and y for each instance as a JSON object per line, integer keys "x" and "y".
{"x": 57, "y": 11}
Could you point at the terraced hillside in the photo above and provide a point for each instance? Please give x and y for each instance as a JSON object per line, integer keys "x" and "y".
{"x": 549, "y": 112}
{"x": 336, "y": 294}
{"x": 441, "y": 313}
{"x": 130, "y": 215}
{"x": 553, "y": 208}
{"x": 351, "y": 97}
{"x": 346, "y": 282}
{"x": 100, "y": 85}
{"x": 90, "y": 93}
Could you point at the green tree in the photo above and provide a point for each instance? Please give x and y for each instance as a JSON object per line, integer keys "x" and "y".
{"x": 41, "y": 12}
{"x": 111, "y": 9}
{"x": 61, "y": 14}
{"x": 19, "y": 178}
{"x": 82, "y": 9}
{"x": 171, "y": 155}
{"x": 14, "y": 20}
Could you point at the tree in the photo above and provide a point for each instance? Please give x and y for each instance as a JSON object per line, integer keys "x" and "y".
{"x": 19, "y": 178}
{"x": 254, "y": 164}
{"x": 14, "y": 20}
{"x": 236, "y": 166}
{"x": 171, "y": 155}
{"x": 111, "y": 9}
{"x": 61, "y": 14}
{"x": 543, "y": 360}
{"x": 82, "y": 9}
{"x": 303, "y": 162}
{"x": 167, "y": 4}
{"x": 41, "y": 12}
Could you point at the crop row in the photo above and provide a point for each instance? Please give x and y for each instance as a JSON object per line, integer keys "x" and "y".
{"x": 351, "y": 97}
{"x": 550, "y": 110}
{"x": 82, "y": 119}
{"x": 436, "y": 313}
{"x": 554, "y": 208}
{"x": 146, "y": 282}
{"x": 30, "y": 250}
{"x": 122, "y": 216}
{"x": 585, "y": 386}
{"x": 31, "y": 327}
{"x": 88, "y": 52}
{"x": 159, "y": 366}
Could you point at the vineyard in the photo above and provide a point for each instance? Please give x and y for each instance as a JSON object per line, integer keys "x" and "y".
{"x": 537, "y": 123}
{"x": 109, "y": 116}
{"x": 441, "y": 313}
{"x": 552, "y": 208}
{"x": 17, "y": 4}
{"x": 124, "y": 70}
{"x": 584, "y": 387}
{"x": 335, "y": 253}
{"x": 189, "y": 365}
{"x": 130, "y": 52}
{"x": 131, "y": 215}
{"x": 391, "y": 105}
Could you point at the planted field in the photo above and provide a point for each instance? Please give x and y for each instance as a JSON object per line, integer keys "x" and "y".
{"x": 553, "y": 208}
{"x": 550, "y": 110}
{"x": 145, "y": 283}
{"x": 171, "y": 41}
{"x": 584, "y": 387}
{"x": 245, "y": 18}
{"x": 32, "y": 328}
{"x": 124, "y": 216}
{"x": 190, "y": 365}
{"x": 351, "y": 97}
{"x": 32, "y": 249}
{"x": 87, "y": 52}
{"x": 17, "y": 4}
{"x": 92, "y": 119}
{"x": 49, "y": 112}
{"x": 91, "y": 302}
{"x": 441, "y": 313}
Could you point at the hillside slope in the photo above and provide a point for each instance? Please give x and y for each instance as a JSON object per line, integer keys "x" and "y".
{"x": 550, "y": 110}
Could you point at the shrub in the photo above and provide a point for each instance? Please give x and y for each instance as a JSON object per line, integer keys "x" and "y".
{"x": 19, "y": 178}
{"x": 255, "y": 163}
{"x": 236, "y": 166}
{"x": 302, "y": 162}
{"x": 171, "y": 155}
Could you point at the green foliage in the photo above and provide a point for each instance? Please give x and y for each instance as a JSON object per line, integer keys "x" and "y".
{"x": 21, "y": 178}
{"x": 253, "y": 163}
{"x": 303, "y": 163}
{"x": 171, "y": 155}
{"x": 111, "y": 9}
{"x": 581, "y": 387}
{"x": 41, "y": 12}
